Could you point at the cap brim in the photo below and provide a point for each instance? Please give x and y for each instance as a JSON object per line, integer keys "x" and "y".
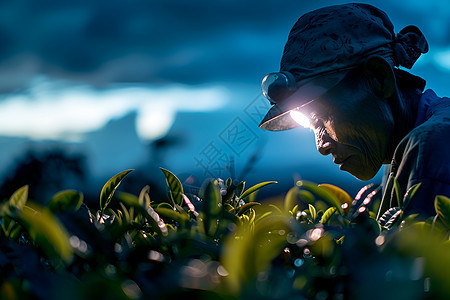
{"x": 278, "y": 117}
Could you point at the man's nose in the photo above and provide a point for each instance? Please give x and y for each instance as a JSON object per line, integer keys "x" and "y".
{"x": 325, "y": 144}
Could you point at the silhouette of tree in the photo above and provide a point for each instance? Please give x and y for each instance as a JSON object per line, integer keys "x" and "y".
{"x": 45, "y": 172}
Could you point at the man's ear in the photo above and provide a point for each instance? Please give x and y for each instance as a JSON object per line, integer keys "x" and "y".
{"x": 381, "y": 76}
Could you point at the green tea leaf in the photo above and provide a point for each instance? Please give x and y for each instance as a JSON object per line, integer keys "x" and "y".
{"x": 263, "y": 216}
{"x": 229, "y": 182}
{"x": 4, "y": 209}
{"x": 46, "y": 231}
{"x": 250, "y": 252}
{"x": 126, "y": 213}
{"x": 7, "y": 225}
{"x": 19, "y": 198}
{"x": 210, "y": 193}
{"x": 165, "y": 205}
{"x": 409, "y": 220}
{"x": 255, "y": 188}
{"x": 306, "y": 197}
{"x": 172, "y": 215}
{"x": 327, "y": 215}
{"x": 291, "y": 198}
{"x": 398, "y": 194}
{"x": 143, "y": 200}
{"x": 442, "y": 206}
{"x": 176, "y": 189}
{"x": 67, "y": 200}
{"x": 322, "y": 193}
{"x": 294, "y": 211}
{"x": 109, "y": 188}
{"x": 410, "y": 194}
{"x": 276, "y": 209}
{"x": 128, "y": 199}
{"x": 239, "y": 188}
{"x": 244, "y": 208}
{"x": 342, "y": 196}
{"x": 16, "y": 230}
{"x": 181, "y": 210}
{"x": 229, "y": 208}
{"x": 313, "y": 212}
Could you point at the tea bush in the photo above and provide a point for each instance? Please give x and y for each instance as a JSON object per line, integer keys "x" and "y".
{"x": 315, "y": 243}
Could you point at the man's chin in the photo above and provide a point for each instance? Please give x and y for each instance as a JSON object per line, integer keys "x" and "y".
{"x": 364, "y": 176}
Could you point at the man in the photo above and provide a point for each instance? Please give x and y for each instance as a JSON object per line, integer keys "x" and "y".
{"x": 340, "y": 75}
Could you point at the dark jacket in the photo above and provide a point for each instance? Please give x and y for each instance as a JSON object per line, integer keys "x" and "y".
{"x": 423, "y": 156}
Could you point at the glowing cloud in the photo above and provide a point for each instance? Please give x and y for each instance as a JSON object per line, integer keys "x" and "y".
{"x": 68, "y": 113}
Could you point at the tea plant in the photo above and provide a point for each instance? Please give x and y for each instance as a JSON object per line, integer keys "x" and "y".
{"x": 315, "y": 242}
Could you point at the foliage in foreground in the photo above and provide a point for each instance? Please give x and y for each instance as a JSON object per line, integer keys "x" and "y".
{"x": 315, "y": 243}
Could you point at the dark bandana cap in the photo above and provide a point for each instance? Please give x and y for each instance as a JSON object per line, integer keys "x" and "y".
{"x": 336, "y": 38}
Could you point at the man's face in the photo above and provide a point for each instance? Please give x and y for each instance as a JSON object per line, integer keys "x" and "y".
{"x": 353, "y": 125}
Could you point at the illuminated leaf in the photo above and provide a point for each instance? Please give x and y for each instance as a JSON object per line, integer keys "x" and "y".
{"x": 294, "y": 210}
{"x": 410, "y": 194}
{"x": 181, "y": 210}
{"x": 255, "y": 188}
{"x": 342, "y": 196}
{"x": 165, "y": 205}
{"x": 276, "y": 209}
{"x": 244, "y": 208}
{"x": 442, "y": 206}
{"x": 248, "y": 253}
{"x": 126, "y": 213}
{"x": 398, "y": 193}
{"x": 291, "y": 198}
{"x": 327, "y": 215}
{"x": 306, "y": 197}
{"x": 322, "y": 193}
{"x": 128, "y": 199}
{"x": 68, "y": 200}
{"x": 261, "y": 217}
{"x": 312, "y": 211}
{"x": 19, "y": 198}
{"x": 143, "y": 200}
{"x": 47, "y": 232}
{"x": 109, "y": 188}
{"x": 8, "y": 226}
{"x": 228, "y": 207}
{"x": 15, "y": 231}
{"x": 172, "y": 215}
{"x": 176, "y": 189}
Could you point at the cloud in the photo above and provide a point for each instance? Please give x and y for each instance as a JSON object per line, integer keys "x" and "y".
{"x": 68, "y": 113}
{"x": 442, "y": 59}
{"x": 165, "y": 41}
{"x": 158, "y": 41}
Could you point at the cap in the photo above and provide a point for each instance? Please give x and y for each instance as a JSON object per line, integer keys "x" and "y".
{"x": 324, "y": 45}
{"x": 305, "y": 92}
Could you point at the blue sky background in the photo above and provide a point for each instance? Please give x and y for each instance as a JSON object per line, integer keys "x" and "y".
{"x": 109, "y": 78}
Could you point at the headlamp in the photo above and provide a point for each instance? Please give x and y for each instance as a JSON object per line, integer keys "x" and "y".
{"x": 300, "y": 118}
{"x": 278, "y": 86}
